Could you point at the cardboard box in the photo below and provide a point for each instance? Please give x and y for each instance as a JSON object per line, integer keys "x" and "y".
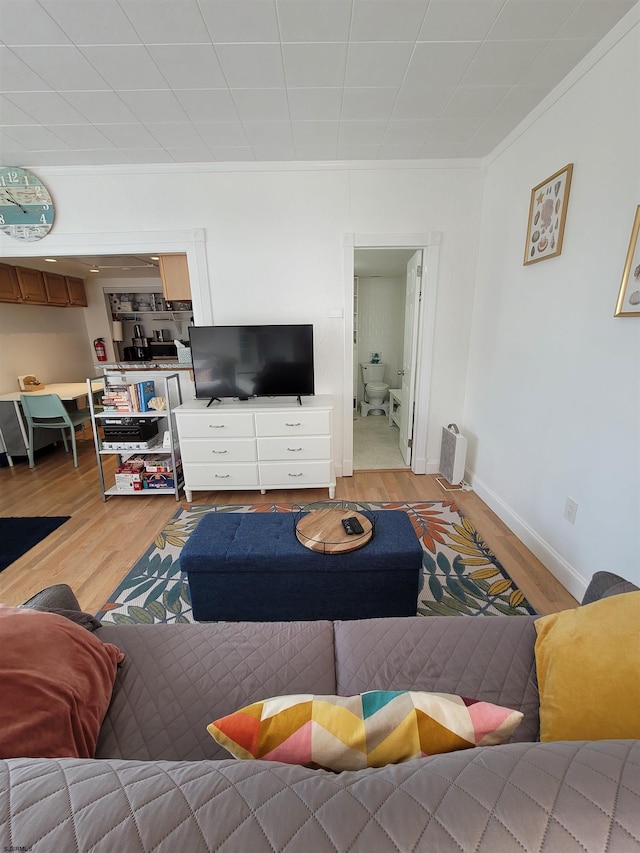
{"x": 158, "y": 481}
{"x": 129, "y": 476}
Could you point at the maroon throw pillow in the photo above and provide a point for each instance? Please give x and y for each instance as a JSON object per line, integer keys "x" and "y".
{"x": 57, "y": 679}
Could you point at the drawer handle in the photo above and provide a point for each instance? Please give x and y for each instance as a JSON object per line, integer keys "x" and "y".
{"x": 219, "y": 451}
{"x": 298, "y": 424}
{"x": 216, "y": 426}
{"x": 294, "y": 449}
{"x": 297, "y": 475}
{"x": 222, "y": 476}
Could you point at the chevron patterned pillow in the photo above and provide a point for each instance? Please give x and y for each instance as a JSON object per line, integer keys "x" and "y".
{"x": 366, "y": 730}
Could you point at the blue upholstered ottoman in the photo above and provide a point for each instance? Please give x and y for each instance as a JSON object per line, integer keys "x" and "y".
{"x": 250, "y": 567}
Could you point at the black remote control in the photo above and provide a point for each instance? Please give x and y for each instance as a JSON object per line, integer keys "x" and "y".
{"x": 355, "y": 525}
{"x": 348, "y": 529}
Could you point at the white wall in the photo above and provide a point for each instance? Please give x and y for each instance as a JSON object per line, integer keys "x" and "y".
{"x": 51, "y": 343}
{"x": 553, "y": 399}
{"x": 381, "y": 324}
{"x": 274, "y": 239}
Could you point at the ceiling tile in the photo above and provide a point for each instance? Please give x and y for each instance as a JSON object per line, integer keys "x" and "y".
{"x": 148, "y": 155}
{"x": 361, "y": 132}
{"x": 83, "y": 136}
{"x": 193, "y": 66}
{"x": 314, "y": 20}
{"x": 316, "y": 152}
{"x": 10, "y": 113}
{"x": 208, "y": 104}
{"x": 16, "y": 76}
{"x": 454, "y": 129}
{"x": 101, "y": 107}
{"x": 197, "y": 154}
{"x": 414, "y": 102}
{"x": 394, "y": 151}
{"x": 154, "y": 106}
{"x": 240, "y": 20}
{"x": 554, "y": 62}
{"x": 454, "y": 20}
{"x": 50, "y": 107}
{"x": 251, "y": 66}
{"x": 368, "y": 104}
{"x": 261, "y": 104}
{"x": 62, "y": 67}
{"x": 357, "y": 152}
{"x": 474, "y": 101}
{"x": 175, "y": 134}
{"x": 502, "y": 63}
{"x": 315, "y": 104}
{"x": 92, "y": 23}
{"x": 445, "y": 63}
{"x": 233, "y": 155}
{"x": 171, "y": 21}
{"x": 408, "y": 132}
{"x": 377, "y": 64}
{"x": 228, "y": 134}
{"x": 127, "y": 136}
{"x": 442, "y": 150}
{"x": 26, "y": 22}
{"x": 36, "y": 138}
{"x": 387, "y": 20}
{"x": 124, "y": 67}
{"x": 527, "y": 19}
{"x": 518, "y": 102}
{"x": 324, "y": 133}
{"x": 268, "y": 133}
{"x": 278, "y": 153}
{"x": 593, "y": 18}
{"x": 315, "y": 65}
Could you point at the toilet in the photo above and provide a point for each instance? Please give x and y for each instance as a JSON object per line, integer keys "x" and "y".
{"x": 375, "y": 389}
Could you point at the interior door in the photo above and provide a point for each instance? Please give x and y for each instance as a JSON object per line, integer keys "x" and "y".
{"x": 411, "y": 314}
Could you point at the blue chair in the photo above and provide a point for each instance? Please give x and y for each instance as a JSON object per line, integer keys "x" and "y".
{"x": 47, "y": 411}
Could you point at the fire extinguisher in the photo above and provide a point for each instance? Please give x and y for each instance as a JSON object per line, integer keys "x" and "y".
{"x": 101, "y": 350}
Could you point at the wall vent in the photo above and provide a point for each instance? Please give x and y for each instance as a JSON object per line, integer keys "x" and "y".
{"x": 453, "y": 454}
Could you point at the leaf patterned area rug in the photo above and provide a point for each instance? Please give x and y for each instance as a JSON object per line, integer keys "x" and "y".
{"x": 462, "y": 576}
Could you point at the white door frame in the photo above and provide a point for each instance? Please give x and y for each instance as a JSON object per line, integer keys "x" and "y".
{"x": 429, "y": 242}
{"x": 191, "y": 243}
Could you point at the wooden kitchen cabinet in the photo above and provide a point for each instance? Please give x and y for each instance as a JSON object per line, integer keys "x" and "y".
{"x": 174, "y": 273}
{"x": 9, "y": 287}
{"x": 32, "y": 288}
{"x": 56, "y": 288}
{"x": 77, "y": 292}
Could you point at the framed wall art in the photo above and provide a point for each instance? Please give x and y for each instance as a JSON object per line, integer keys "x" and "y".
{"x": 547, "y": 214}
{"x": 629, "y": 297}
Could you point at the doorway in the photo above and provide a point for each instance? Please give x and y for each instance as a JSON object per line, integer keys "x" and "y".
{"x": 379, "y": 319}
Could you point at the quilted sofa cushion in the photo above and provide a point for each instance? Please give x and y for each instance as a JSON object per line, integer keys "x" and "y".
{"x": 490, "y": 659}
{"x": 572, "y": 797}
{"x": 174, "y": 677}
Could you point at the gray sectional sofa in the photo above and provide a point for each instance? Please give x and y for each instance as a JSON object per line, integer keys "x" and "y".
{"x": 159, "y": 782}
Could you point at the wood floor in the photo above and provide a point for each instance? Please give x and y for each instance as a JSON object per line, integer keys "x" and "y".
{"x": 102, "y": 540}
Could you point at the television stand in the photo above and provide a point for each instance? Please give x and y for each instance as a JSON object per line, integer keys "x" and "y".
{"x": 216, "y": 399}
{"x": 257, "y": 445}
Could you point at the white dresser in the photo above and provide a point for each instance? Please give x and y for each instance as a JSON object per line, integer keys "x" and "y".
{"x": 256, "y": 444}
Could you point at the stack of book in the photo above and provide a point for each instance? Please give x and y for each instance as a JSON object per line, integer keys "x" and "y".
{"x": 129, "y": 398}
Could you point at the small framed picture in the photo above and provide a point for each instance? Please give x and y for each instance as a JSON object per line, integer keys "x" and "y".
{"x": 547, "y": 214}
{"x": 629, "y": 297}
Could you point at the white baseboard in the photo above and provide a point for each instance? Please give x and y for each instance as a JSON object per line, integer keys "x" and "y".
{"x": 548, "y": 556}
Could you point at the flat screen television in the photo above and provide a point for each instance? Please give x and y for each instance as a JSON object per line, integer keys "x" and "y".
{"x": 252, "y": 361}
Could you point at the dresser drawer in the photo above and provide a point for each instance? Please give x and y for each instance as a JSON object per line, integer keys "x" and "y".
{"x": 214, "y": 477}
{"x": 294, "y": 448}
{"x": 297, "y": 422}
{"x": 295, "y": 474}
{"x": 215, "y": 425}
{"x": 220, "y": 451}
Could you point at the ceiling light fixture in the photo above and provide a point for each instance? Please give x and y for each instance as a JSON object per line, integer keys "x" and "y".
{"x": 51, "y": 260}
{"x": 94, "y": 270}
{"x": 155, "y": 258}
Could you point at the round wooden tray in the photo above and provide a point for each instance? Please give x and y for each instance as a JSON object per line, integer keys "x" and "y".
{"x": 321, "y": 530}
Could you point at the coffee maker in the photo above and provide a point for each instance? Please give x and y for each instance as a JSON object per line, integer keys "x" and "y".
{"x": 141, "y": 348}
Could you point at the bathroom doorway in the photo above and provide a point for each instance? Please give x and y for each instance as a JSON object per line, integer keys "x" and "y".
{"x": 380, "y": 322}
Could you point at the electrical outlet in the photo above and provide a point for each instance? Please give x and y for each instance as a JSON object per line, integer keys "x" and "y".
{"x": 571, "y": 510}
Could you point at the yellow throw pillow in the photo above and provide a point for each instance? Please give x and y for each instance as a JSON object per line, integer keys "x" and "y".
{"x": 588, "y": 664}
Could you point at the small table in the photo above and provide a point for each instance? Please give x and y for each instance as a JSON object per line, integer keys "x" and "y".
{"x": 395, "y": 401}
{"x": 322, "y": 531}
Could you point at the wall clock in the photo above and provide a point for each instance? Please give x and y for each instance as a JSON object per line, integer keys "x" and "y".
{"x": 26, "y": 208}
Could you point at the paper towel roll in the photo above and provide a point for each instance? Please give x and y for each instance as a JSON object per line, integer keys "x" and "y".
{"x": 116, "y": 330}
